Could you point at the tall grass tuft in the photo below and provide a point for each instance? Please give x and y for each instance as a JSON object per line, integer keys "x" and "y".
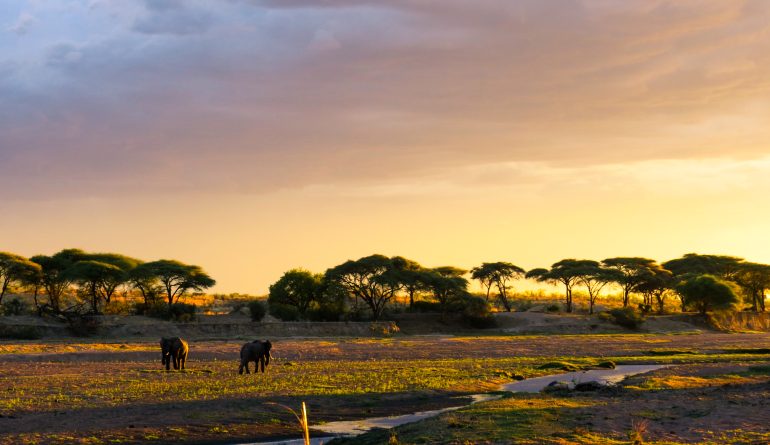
{"x": 301, "y": 419}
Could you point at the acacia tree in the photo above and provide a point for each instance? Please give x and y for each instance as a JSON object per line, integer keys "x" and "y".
{"x": 656, "y": 285}
{"x": 374, "y": 279}
{"x": 594, "y": 278}
{"x": 96, "y": 279}
{"x": 146, "y": 282}
{"x": 631, "y": 272}
{"x": 111, "y": 282}
{"x": 176, "y": 278}
{"x": 446, "y": 283}
{"x": 298, "y": 288}
{"x": 707, "y": 292}
{"x": 412, "y": 275}
{"x": 499, "y": 274}
{"x": 14, "y": 268}
{"x": 484, "y": 274}
{"x": 693, "y": 264}
{"x": 566, "y": 272}
{"x": 100, "y": 274}
{"x": 54, "y": 278}
{"x": 754, "y": 279}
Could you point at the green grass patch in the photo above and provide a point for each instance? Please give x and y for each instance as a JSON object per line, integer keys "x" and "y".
{"x": 669, "y": 351}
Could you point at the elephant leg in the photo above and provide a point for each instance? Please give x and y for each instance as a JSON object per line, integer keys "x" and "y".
{"x": 240, "y": 368}
{"x": 184, "y": 360}
{"x": 262, "y": 364}
{"x": 168, "y": 363}
{"x": 247, "y": 367}
{"x": 176, "y": 362}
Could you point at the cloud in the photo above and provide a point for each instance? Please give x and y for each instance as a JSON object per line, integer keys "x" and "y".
{"x": 254, "y": 97}
{"x": 172, "y": 17}
{"x": 22, "y": 24}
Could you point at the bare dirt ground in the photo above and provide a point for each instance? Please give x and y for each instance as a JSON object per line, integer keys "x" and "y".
{"x": 414, "y": 347}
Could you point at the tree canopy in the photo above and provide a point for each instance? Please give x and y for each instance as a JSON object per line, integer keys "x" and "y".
{"x": 499, "y": 274}
{"x": 631, "y": 273}
{"x": 15, "y": 268}
{"x": 707, "y": 292}
{"x": 298, "y": 288}
{"x": 566, "y": 272}
{"x": 176, "y": 278}
{"x": 374, "y": 279}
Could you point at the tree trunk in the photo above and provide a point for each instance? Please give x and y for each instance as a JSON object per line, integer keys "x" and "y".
{"x": 4, "y": 288}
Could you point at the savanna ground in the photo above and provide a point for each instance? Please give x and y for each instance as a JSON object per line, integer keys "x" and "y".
{"x": 107, "y": 392}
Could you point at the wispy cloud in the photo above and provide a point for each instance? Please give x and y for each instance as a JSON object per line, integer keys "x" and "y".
{"x": 291, "y": 94}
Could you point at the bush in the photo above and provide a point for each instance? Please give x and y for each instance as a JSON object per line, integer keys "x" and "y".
{"x": 474, "y": 311}
{"x": 177, "y": 312}
{"x": 326, "y": 312}
{"x": 183, "y": 312}
{"x": 284, "y": 312}
{"x": 553, "y": 308}
{"x": 257, "y": 309}
{"x": 425, "y": 306}
{"x": 625, "y": 317}
{"x": 14, "y": 307}
{"x": 81, "y": 325}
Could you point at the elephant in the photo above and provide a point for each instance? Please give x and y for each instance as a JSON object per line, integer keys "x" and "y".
{"x": 258, "y": 352}
{"x": 176, "y": 349}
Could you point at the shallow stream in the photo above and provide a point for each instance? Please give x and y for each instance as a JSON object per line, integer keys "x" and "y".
{"x": 355, "y": 427}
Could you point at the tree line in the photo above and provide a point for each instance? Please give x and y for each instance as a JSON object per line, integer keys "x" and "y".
{"x": 700, "y": 282}
{"x": 95, "y": 278}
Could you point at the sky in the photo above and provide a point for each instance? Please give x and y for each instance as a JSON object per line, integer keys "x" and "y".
{"x": 255, "y": 136}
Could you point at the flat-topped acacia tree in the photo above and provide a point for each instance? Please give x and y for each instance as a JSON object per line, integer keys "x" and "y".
{"x": 54, "y": 278}
{"x": 566, "y": 272}
{"x": 631, "y": 273}
{"x": 499, "y": 274}
{"x": 175, "y": 277}
{"x": 374, "y": 279}
{"x": 100, "y": 274}
{"x": 754, "y": 279}
{"x": 15, "y": 268}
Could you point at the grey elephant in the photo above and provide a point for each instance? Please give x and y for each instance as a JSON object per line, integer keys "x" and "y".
{"x": 258, "y": 352}
{"x": 176, "y": 349}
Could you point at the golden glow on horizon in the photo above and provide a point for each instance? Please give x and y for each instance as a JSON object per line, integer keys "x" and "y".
{"x": 655, "y": 209}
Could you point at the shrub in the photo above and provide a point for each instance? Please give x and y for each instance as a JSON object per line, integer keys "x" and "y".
{"x": 326, "y": 312}
{"x": 553, "y": 308}
{"x": 257, "y": 309}
{"x": 183, "y": 312}
{"x": 14, "y": 307}
{"x": 425, "y": 306}
{"x": 474, "y": 311}
{"x": 284, "y": 312}
{"x": 178, "y": 311}
{"x": 83, "y": 325}
{"x": 625, "y": 317}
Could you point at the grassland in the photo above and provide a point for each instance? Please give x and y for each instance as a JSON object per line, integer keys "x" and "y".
{"x": 112, "y": 392}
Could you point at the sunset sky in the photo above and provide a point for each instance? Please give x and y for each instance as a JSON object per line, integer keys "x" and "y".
{"x": 250, "y": 136}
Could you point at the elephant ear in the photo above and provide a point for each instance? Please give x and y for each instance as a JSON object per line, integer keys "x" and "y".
{"x": 268, "y": 345}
